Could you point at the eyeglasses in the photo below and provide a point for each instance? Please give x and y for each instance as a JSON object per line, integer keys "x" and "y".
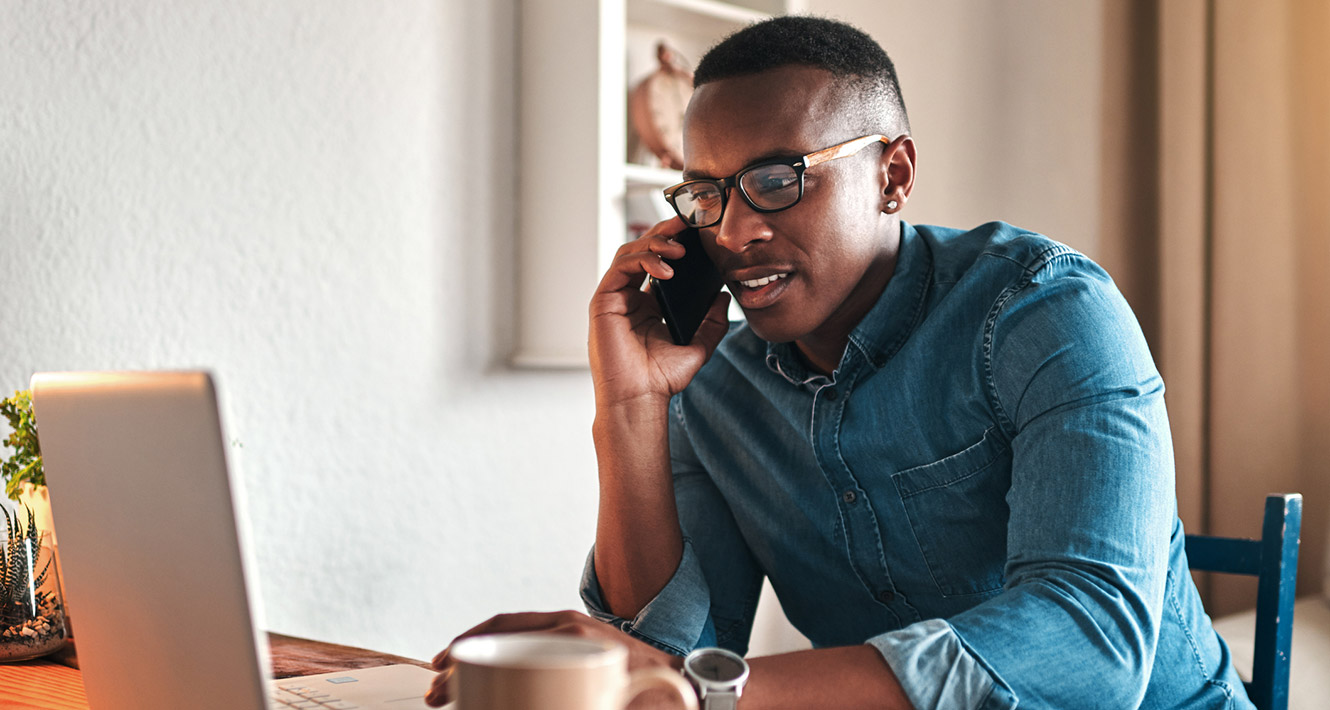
{"x": 770, "y": 186}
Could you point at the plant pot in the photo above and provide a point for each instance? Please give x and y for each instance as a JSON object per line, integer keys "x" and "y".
{"x": 32, "y": 610}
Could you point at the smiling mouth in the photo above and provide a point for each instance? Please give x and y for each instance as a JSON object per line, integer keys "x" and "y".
{"x": 756, "y": 294}
{"x": 759, "y": 283}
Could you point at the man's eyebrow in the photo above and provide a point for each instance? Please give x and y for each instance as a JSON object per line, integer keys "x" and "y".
{"x": 777, "y": 154}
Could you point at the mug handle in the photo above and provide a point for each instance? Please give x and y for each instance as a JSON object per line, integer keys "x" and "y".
{"x": 648, "y": 678}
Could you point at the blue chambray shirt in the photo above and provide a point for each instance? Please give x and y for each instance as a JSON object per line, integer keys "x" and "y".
{"x": 982, "y": 490}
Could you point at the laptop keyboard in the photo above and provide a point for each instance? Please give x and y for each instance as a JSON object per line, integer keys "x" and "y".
{"x": 299, "y": 696}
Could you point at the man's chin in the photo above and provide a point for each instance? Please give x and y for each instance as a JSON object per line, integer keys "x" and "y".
{"x": 770, "y": 328}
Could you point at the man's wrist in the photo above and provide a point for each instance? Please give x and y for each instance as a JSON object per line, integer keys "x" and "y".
{"x": 633, "y": 413}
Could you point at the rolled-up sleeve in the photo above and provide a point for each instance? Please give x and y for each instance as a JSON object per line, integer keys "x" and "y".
{"x": 937, "y": 671}
{"x": 1091, "y": 508}
{"x": 676, "y": 620}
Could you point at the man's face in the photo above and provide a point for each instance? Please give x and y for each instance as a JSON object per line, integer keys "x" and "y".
{"x": 821, "y": 248}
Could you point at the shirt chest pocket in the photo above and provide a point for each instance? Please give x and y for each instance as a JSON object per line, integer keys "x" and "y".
{"x": 958, "y": 512}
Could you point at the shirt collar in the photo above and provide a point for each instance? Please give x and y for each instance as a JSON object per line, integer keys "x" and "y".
{"x": 886, "y": 326}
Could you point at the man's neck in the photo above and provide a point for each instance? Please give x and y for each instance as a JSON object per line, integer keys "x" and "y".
{"x": 825, "y": 359}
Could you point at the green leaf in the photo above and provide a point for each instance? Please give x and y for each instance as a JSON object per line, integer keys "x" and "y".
{"x": 24, "y": 465}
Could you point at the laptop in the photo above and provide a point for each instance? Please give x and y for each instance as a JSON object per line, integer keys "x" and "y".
{"x": 158, "y": 580}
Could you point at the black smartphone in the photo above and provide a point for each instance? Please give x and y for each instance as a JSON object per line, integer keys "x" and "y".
{"x": 686, "y": 297}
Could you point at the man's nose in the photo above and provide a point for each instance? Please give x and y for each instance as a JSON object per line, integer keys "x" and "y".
{"x": 740, "y": 225}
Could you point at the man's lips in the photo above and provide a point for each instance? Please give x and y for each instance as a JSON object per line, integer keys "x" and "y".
{"x": 759, "y": 287}
{"x": 763, "y": 281}
{"x": 749, "y": 275}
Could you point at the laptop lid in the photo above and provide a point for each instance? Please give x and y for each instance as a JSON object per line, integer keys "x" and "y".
{"x": 150, "y": 541}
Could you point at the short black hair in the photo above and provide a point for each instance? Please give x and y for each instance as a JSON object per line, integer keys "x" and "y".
{"x": 857, "y": 61}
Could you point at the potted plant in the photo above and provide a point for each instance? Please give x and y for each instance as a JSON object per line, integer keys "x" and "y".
{"x": 32, "y": 617}
{"x": 32, "y": 614}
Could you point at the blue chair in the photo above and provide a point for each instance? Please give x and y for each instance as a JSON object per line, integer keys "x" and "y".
{"x": 1273, "y": 560}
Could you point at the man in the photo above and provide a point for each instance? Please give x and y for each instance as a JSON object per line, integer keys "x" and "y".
{"x": 947, "y": 450}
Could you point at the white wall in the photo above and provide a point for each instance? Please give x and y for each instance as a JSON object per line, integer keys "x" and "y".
{"x": 313, "y": 199}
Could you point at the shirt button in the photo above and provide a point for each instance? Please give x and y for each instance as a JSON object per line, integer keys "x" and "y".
{"x": 885, "y": 596}
{"x": 830, "y": 394}
{"x": 849, "y": 496}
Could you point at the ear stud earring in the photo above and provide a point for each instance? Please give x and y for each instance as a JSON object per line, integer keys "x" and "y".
{"x": 892, "y": 204}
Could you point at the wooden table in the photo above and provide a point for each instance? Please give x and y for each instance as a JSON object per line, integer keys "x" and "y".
{"x": 55, "y": 683}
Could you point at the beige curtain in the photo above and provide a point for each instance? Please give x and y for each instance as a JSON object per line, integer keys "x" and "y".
{"x": 1217, "y": 206}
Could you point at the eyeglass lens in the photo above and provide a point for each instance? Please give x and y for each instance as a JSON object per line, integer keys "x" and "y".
{"x": 771, "y": 187}
{"x": 699, "y": 203}
{"x": 766, "y": 187}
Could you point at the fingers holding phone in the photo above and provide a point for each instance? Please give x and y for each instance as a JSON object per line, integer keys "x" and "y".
{"x": 639, "y": 259}
{"x": 687, "y": 295}
{"x": 654, "y": 341}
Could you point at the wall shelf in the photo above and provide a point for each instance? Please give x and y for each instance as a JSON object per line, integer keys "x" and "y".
{"x": 575, "y": 184}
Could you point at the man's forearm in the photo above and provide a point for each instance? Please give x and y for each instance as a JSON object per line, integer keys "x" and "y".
{"x": 638, "y": 540}
{"x": 845, "y": 677}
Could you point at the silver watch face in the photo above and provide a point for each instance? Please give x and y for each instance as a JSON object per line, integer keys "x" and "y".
{"x": 720, "y": 668}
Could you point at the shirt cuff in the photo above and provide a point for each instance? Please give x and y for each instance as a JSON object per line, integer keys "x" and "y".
{"x": 936, "y": 670}
{"x": 677, "y": 620}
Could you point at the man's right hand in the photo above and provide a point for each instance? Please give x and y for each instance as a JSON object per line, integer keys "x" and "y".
{"x": 633, "y": 359}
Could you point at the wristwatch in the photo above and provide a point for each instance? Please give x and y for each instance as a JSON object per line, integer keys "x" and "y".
{"x": 718, "y": 675}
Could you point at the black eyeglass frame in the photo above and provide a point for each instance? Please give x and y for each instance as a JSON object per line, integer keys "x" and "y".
{"x": 800, "y": 164}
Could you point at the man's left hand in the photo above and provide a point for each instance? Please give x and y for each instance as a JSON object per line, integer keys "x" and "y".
{"x": 572, "y": 623}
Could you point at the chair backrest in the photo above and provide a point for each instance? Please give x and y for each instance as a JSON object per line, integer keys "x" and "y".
{"x": 1273, "y": 560}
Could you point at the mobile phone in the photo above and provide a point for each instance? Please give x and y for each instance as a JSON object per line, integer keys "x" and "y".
{"x": 685, "y": 298}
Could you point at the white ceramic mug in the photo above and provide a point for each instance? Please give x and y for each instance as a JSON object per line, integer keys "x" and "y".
{"x": 538, "y": 671}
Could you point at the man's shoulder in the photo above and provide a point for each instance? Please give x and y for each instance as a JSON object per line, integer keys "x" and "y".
{"x": 991, "y": 245}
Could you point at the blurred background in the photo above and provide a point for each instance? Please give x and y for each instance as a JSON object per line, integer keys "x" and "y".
{"x": 326, "y": 203}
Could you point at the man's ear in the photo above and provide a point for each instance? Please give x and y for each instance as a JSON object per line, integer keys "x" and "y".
{"x": 897, "y": 173}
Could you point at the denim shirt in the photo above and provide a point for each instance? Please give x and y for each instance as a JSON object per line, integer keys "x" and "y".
{"x": 983, "y": 490}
